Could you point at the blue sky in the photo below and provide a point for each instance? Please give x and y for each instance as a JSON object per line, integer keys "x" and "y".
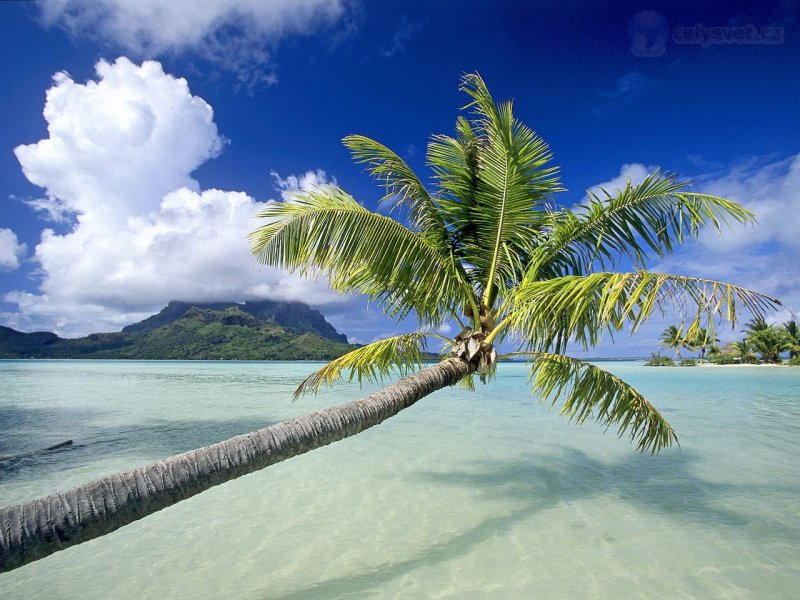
{"x": 125, "y": 183}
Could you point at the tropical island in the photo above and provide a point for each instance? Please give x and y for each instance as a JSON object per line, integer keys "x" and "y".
{"x": 256, "y": 330}
{"x": 763, "y": 344}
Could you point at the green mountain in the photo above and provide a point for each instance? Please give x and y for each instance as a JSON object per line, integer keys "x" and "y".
{"x": 251, "y": 331}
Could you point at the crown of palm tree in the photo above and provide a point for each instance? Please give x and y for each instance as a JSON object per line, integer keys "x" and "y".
{"x": 793, "y": 330}
{"x": 486, "y": 245}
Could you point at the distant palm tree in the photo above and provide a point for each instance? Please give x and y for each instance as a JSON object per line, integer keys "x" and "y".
{"x": 770, "y": 342}
{"x": 745, "y": 351}
{"x": 704, "y": 339}
{"x": 757, "y": 323}
{"x": 793, "y": 330}
{"x": 485, "y": 248}
{"x": 672, "y": 337}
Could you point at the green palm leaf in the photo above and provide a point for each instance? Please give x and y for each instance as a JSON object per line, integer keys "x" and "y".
{"x": 651, "y": 216}
{"x": 397, "y": 355}
{"x": 455, "y": 164}
{"x": 547, "y": 314}
{"x": 327, "y": 231}
{"x": 506, "y": 180}
{"x": 590, "y": 391}
{"x": 402, "y": 185}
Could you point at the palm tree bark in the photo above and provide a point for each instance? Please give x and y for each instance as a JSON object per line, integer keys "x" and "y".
{"x": 40, "y": 527}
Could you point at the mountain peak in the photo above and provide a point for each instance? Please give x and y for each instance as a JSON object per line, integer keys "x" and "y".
{"x": 263, "y": 330}
{"x": 295, "y": 316}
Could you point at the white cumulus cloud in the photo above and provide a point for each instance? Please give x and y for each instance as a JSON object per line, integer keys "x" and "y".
{"x": 120, "y": 143}
{"x": 238, "y": 35}
{"x": 117, "y": 165}
{"x": 307, "y": 182}
{"x": 763, "y": 256}
{"x": 634, "y": 173}
{"x": 11, "y": 251}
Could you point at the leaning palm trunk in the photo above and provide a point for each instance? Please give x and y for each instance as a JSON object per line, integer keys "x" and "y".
{"x": 38, "y": 528}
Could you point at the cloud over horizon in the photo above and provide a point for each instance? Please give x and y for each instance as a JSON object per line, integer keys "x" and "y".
{"x": 116, "y": 165}
{"x": 237, "y": 35}
{"x": 762, "y": 256}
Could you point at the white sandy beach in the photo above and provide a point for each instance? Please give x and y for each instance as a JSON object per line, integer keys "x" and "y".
{"x": 761, "y": 366}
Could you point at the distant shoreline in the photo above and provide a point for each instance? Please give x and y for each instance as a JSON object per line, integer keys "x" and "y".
{"x": 710, "y": 364}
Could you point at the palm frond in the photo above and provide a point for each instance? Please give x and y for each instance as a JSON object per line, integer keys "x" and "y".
{"x": 547, "y": 314}
{"x": 493, "y": 179}
{"x": 328, "y": 232}
{"x": 590, "y": 391}
{"x": 514, "y": 182}
{"x": 401, "y": 184}
{"x": 397, "y": 355}
{"x": 653, "y": 216}
{"x": 468, "y": 383}
{"x": 455, "y": 162}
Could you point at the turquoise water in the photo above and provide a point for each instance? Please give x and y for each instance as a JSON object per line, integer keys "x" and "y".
{"x": 483, "y": 495}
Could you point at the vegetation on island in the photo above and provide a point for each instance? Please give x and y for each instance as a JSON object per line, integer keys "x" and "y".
{"x": 262, "y": 330}
{"x": 486, "y": 245}
{"x": 658, "y": 360}
{"x": 673, "y": 338}
{"x": 762, "y": 344}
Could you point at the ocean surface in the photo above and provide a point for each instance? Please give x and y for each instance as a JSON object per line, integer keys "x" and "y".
{"x": 463, "y": 496}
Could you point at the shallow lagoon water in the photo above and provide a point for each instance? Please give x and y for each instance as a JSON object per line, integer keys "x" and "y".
{"x": 465, "y": 495}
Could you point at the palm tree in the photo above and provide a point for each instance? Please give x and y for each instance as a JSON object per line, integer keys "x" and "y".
{"x": 703, "y": 340}
{"x": 745, "y": 351}
{"x": 770, "y": 342}
{"x": 757, "y": 323}
{"x": 672, "y": 337}
{"x": 793, "y": 330}
{"x": 486, "y": 248}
